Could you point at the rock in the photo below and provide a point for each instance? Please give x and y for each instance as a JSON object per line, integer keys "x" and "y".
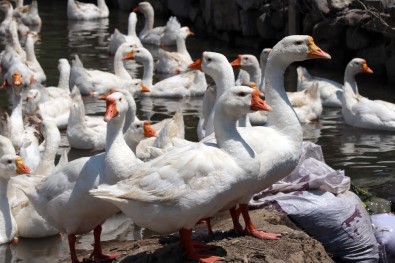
{"x": 390, "y": 69}
{"x": 248, "y": 22}
{"x": 309, "y": 22}
{"x": 320, "y": 6}
{"x": 265, "y": 29}
{"x": 328, "y": 29}
{"x": 226, "y": 15}
{"x": 279, "y": 18}
{"x": 337, "y": 5}
{"x": 357, "y": 38}
{"x": 354, "y": 17}
{"x": 250, "y": 4}
{"x": 276, "y": 4}
{"x": 375, "y": 56}
{"x": 293, "y": 246}
{"x": 206, "y": 6}
{"x": 179, "y": 8}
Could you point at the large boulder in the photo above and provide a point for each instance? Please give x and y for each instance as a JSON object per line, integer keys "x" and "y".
{"x": 226, "y": 15}
{"x": 265, "y": 29}
{"x": 328, "y": 30}
{"x": 279, "y": 18}
{"x": 357, "y": 38}
{"x": 248, "y": 22}
{"x": 337, "y": 5}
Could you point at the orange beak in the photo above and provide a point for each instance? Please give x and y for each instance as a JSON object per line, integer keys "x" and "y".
{"x": 257, "y": 103}
{"x": 105, "y": 95}
{"x": 197, "y": 64}
{"x": 5, "y": 84}
{"x": 365, "y": 68}
{"x": 315, "y": 52}
{"x": 191, "y": 33}
{"x": 17, "y": 79}
{"x": 237, "y": 62}
{"x": 136, "y": 9}
{"x": 148, "y": 131}
{"x": 129, "y": 55}
{"x": 21, "y": 168}
{"x": 111, "y": 110}
{"x": 144, "y": 88}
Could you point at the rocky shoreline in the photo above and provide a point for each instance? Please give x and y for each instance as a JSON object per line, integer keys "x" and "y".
{"x": 294, "y": 245}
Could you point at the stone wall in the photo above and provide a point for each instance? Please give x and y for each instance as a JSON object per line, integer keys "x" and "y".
{"x": 344, "y": 28}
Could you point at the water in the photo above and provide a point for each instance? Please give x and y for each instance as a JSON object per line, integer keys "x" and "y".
{"x": 366, "y": 156}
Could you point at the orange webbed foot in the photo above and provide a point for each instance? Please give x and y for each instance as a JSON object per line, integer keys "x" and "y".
{"x": 262, "y": 234}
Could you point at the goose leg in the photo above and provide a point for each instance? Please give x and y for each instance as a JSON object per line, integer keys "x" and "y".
{"x": 250, "y": 227}
{"x": 192, "y": 253}
{"x": 73, "y": 254}
{"x": 208, "y": 223}
{"x": 235, "y": 213}
{"x": 97, "y": 251}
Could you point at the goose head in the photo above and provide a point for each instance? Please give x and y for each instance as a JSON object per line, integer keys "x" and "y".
{"x": 209, "y": 63}
{"x": 264, "y": 55}
{"x": 358, "y": 65}
{"x": 139, "y": 54}
{"x": 184, "y": 32}
{"x": 245, "y": 61}
{"x": 5, "y": 5}
{"x": 140, "y": 130}
{"x": 63, "y": 64}
{"x": 144, "y": 7}
{"x": 32, "y": 101}
{"x": 11, "y": 164}
{"x": 237, "y": 101}
{"x": 296, "y": 48}
{"x": 116, "y": 107}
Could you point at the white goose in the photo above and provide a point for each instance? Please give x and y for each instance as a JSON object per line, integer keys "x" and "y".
{"x": 360, "y": 111}
{"x": 187, "y": 184}
{"x": 175, "y": 62}
{"x": 192, "y": 83}
{"x": 80, "y": 134}
{"x": 10, "y": 165}
{"x": 29, "y": 14}
{"x": 307, "y": 103}
{"x": 94, "y": 82}
{"x": 279, "y": 143}
{"x": 117, "y": 38}
{"x": 159, "y": 35}
{"x": 8, "y": 10}
{"x": 331, "y": 92}
{"x": 249, "y": 69}
{"x": 68, "y": 188}
{"x": 85, "y": 11}
{"x": 31, "y": 60}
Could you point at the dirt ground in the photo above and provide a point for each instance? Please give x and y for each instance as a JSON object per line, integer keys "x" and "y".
{"x": 294, "y": 245}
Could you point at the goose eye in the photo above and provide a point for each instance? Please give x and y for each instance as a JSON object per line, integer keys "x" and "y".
{"x": 9, "y": 161}
{"x": 298, "y": 42}
{"x": 137, "y": 51}
{"x": 120, "y": 99}
{"x": 138, "y": 126}
{"x": 241, "y": 94}
{"x": 209, "y": 59}
{"x": 245, "y": 59}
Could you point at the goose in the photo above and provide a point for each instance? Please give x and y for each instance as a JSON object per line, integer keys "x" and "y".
{"x": 31, "y": 60}
{"x": 117, "y": 38}
{"x": 280, "y": 141}
{"x": 30, "y": 149}
{"x": 10, "y": 165}
{"x": 29, "y": 14}
{"x": 8, "y": 10}
{"x": 85, "y": 11}
{"x": 175, "y": 62}
{"x": 30, "y": 223}
{"x": 148, "y": 144}
{"x": 307, "y": 103}
{"x": 96, "y": 82}
{"x": 193, "y": 182}
{"x": 360, "y": 111}
{"x": 159, "y": 35}
{"x": 250, "y": 70}
{"x": 191, "y": 83}
{"x": 80, "y": 134}
{"x": 331, "y": 92}
{"x": 67, "y": 188}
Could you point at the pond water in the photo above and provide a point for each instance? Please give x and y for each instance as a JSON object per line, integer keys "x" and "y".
{"x": 367, "y": 156}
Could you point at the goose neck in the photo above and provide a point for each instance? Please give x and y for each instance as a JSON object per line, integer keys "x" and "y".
{"x": 282, "y": 116}
{"x": 119, "y": 68}
{"x": 130, "y": 114}
{"x": 149, "y": 21}
{"x": 9, "y": 13}
{"x": 224, "y": 80}
{"x": 51, "y": 144}
{"x": 132, "y": 26}
{"x": 262, "y": 81}
{"x": 181, "y": 46}
{"x": 230, "y": 140}
{"x": 255, "y": 74}
{"x": 7, "y": 221}
{"x": 349, "y": 78}
{"x": 148, "y": 74}
{"x": 64, "y": 76}
{"x": 30, "y": 54}
{"x": 115, "y": 131}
